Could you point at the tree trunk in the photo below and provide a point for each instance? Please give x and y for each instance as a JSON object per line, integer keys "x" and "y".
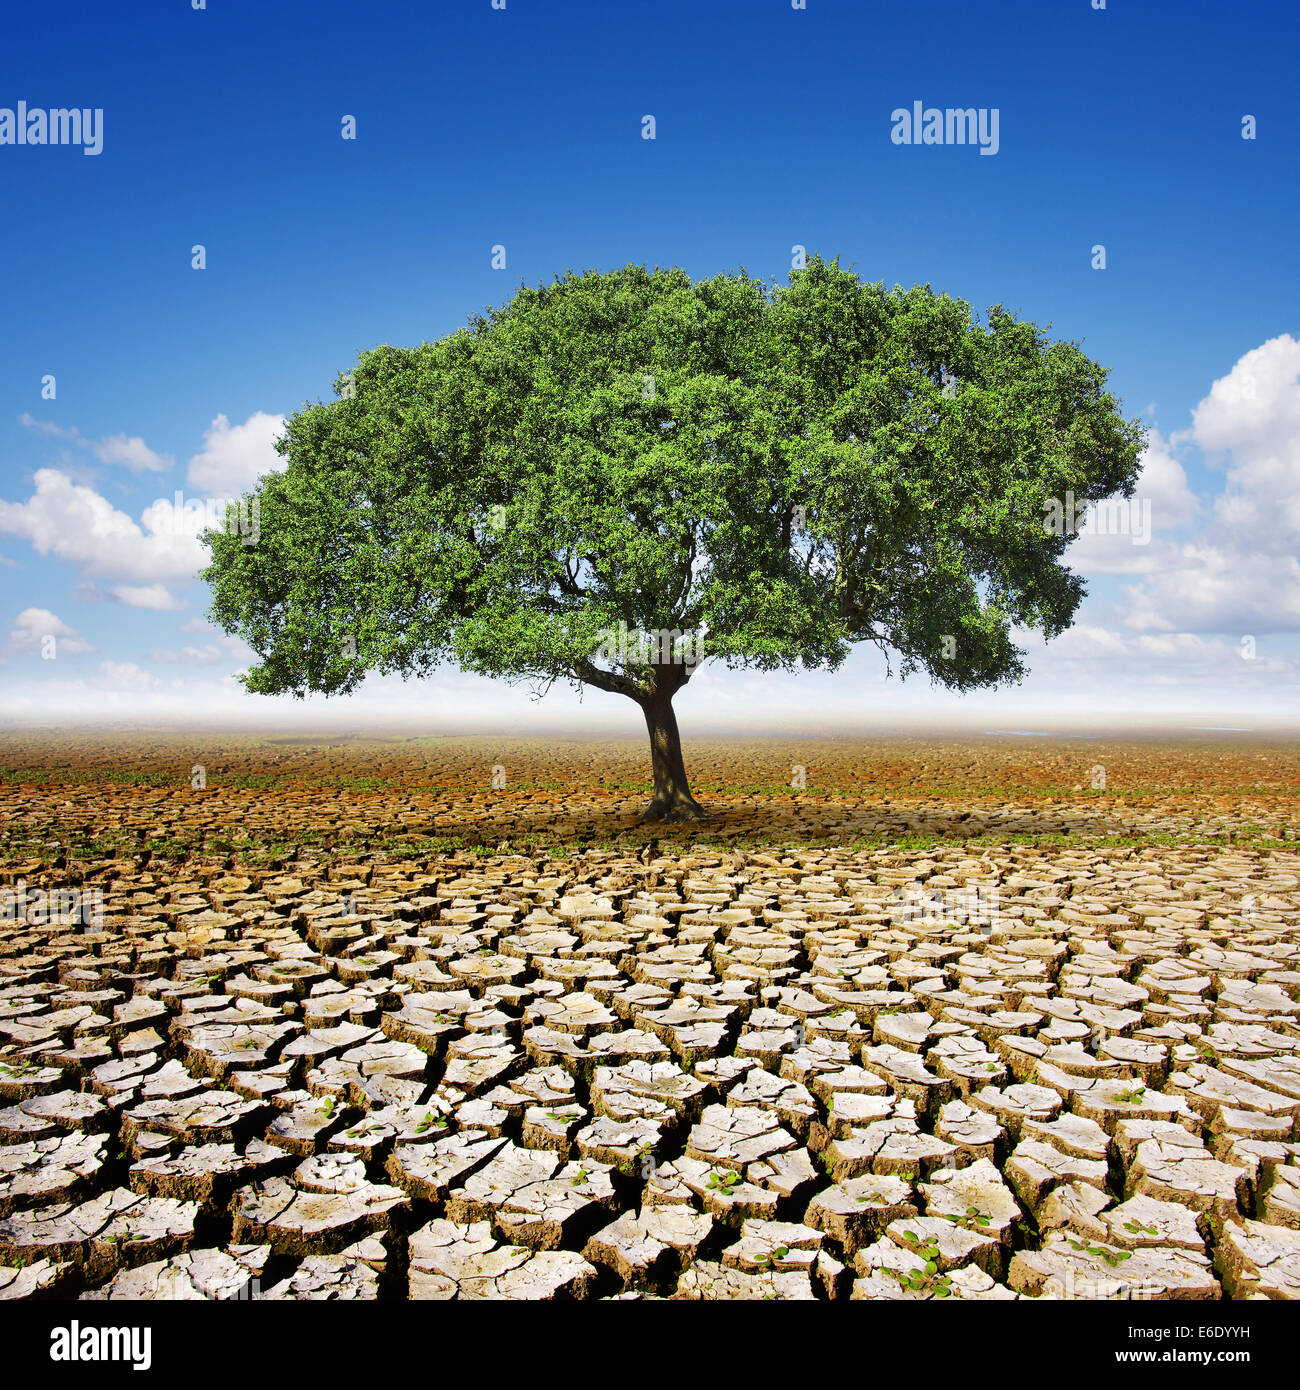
{"x": 672, "y": 799}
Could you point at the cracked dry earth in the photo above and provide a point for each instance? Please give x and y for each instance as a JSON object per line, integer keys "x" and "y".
{"x": 698, "y": 1074}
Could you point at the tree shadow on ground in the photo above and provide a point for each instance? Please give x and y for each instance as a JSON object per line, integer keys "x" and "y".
{"x": 807, "y": 821}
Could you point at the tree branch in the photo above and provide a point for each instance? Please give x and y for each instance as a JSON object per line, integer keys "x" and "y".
{"x": 608, "y": 680}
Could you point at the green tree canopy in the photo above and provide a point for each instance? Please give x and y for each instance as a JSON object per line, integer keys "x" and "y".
{"x": 746, "y": 473}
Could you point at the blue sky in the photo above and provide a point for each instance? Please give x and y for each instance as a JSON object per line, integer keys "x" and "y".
{"x": 522, "y": 127}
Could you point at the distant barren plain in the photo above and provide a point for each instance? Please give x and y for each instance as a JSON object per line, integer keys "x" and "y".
{"x": 972, "y": 1017}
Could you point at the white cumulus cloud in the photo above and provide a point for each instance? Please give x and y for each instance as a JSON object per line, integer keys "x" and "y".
{"x": 33, "y": 625}
{"x": 75, "y": 523}
{"x": 234, "y": 457}
{"x": 1240, "y": 575}
{"x": 126, "y": 675}
{"x": 132, "y": 453}
{"x": 156, "y": 597}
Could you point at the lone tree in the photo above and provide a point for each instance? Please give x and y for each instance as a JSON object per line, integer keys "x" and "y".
{"x": 617, "y": 475}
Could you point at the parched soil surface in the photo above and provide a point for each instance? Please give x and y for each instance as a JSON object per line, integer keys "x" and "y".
{"x": 951, "y": 1020}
